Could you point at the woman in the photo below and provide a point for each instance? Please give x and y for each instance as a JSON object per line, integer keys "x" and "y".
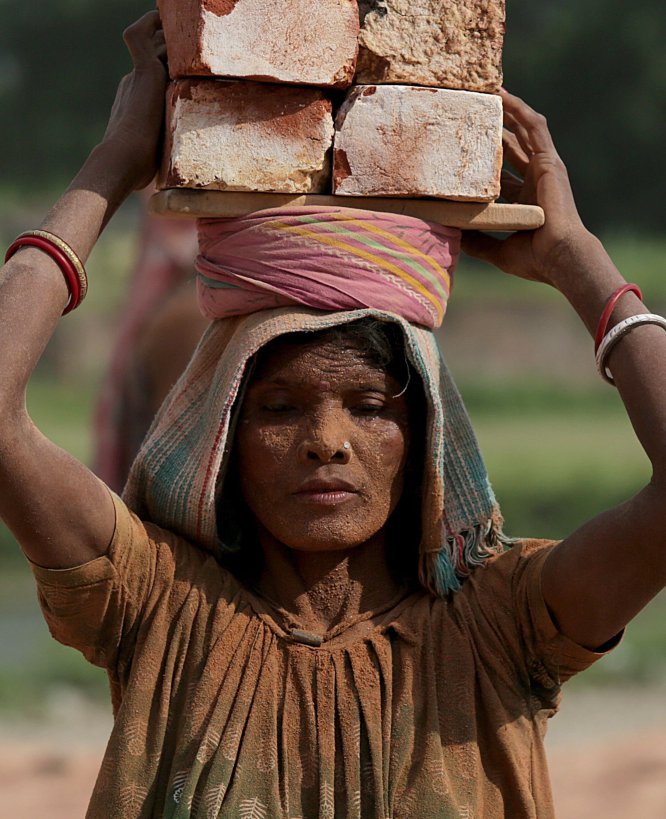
{"x": 285, "y": 634}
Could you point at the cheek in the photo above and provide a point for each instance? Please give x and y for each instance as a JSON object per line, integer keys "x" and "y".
{"x": 387, "y": 446}
{"x": 262, "y": 454}
{"x": 383, "y": 455}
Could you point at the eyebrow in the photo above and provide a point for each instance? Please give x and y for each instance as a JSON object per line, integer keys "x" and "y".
{"x": 364, "y": 386}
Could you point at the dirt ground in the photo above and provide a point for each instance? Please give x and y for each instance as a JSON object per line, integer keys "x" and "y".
{"x": 607, "y": 752}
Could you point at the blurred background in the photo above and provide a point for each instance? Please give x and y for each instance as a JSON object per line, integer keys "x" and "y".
{"x": 558, "y": 446}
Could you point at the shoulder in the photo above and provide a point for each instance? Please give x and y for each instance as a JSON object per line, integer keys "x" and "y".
{"x": 170, "y": 555}
{"x": 504, "y": 588}
{"x": 524, "y": 556}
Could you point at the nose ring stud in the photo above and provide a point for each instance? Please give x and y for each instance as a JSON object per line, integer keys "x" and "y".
{"x": 346, "y": 445}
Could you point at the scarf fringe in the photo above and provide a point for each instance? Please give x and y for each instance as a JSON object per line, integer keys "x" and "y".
{"x": 443, "y": 572}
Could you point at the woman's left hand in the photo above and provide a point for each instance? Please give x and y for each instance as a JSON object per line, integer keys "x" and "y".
{"x": 545, "y": 254}
{"x": 600, "y": 576}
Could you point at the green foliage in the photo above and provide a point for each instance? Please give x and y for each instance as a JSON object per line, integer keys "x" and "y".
{"x": 63, "y": 411}
{"x": 10, "y": 554}
{"x": 548, "y": 456}
{"x": 641, "y": 260}
{"x": 27, "y": 688}
{"x": 60, "y": 64}
{"x": 639, "y": 257}
{"x": 597, "y": 69}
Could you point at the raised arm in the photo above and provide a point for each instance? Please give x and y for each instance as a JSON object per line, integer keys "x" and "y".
{"x": 603, "y": 574}
{"x": 60, "y": 513}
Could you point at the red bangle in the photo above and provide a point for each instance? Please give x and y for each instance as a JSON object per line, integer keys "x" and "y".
{"x": 66, "y": 267}
{"x": 63, "y": 247}
{"x": 611, "y": 304}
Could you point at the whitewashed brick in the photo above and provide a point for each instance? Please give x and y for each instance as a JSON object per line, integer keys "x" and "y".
{"x": 395, "y": 140}
{"x": 445, "y": 43}
{"x": 242, "y": 136}
{"x": 306, "y": 42}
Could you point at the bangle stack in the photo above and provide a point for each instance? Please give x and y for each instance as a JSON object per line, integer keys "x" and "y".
{"x": 620, "y": 331}
{"x": 62, "y": 254}
{"x": 605, "y": 341}
{"x": 608, "y": 310}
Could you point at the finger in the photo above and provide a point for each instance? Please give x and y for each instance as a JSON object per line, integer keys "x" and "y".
{"x": 513, "y": 152}
{"x": 527, "y": 123}
{"x": 160, "y": 46}
{"x": 511, "y": 186}
{"x": 521, "y": 135}
{"x": 513, "y": 255}
{"x": 144, "y": 39}
{"x": 481, "y": 246}
{"x": 144, "y": 27}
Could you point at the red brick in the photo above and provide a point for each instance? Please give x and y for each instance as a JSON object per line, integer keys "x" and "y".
{"x": 394, "y": 140}
{"x": 445, "y": 43}
{"x": 306, "y": 42}
{"x": 243, "y": 136}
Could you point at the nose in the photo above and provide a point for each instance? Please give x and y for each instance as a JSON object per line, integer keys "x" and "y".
{"x": 325, "y": 442}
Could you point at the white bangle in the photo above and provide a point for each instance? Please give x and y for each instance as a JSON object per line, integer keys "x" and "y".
{"x": 619, "y": 331}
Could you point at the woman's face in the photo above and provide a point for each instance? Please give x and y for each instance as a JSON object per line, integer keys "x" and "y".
{"x": 321, "y": 446}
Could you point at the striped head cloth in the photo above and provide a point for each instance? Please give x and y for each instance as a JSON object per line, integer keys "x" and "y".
{"x": 178, "y": 476}
{"x": 303, "y": 270}
{"x": 327, "y": 258}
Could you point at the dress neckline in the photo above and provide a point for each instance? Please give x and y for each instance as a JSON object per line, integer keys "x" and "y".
{"x": 358, "y": 628}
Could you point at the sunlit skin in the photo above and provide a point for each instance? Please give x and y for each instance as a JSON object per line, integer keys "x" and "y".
{"x": 322, "y": 508}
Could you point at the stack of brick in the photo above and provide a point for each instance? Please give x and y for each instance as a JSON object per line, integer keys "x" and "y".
{"x": 256, "y": 82}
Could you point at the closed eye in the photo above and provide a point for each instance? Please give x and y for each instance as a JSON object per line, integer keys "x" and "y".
{"x": 368, "y": 404}
{"x": 368, "y": 409}
{"x": 278, "y": 408}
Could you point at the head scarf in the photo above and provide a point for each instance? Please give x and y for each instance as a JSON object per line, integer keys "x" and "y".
{"x": 176, "y": 478}
{"x": 327, "y": 258}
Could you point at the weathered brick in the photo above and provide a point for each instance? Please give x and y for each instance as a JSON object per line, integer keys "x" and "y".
{"x": 242, "y": 136}
{"x": 444, "y": 43}
{"x": 300, "y": 41}
{"x": 396, "y": 140}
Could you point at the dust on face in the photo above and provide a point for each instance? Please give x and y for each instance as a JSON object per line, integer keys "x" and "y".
{"x": 321, "y": 446}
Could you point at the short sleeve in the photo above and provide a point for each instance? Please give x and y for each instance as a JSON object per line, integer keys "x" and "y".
{"x": 98, "y": 607}
{"x": 506, "y": 594}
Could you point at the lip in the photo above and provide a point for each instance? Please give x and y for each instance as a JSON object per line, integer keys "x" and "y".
{"x": 326, "y": 492}
{"x": 320, "y": 485}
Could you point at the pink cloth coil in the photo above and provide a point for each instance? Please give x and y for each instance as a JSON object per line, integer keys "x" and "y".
{"x": 327, "y": 258}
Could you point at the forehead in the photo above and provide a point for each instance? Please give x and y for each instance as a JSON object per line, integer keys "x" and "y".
{"x": 316, "y": 361}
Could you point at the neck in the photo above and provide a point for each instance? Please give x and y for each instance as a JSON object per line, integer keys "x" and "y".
{"x": 323, "y": 589}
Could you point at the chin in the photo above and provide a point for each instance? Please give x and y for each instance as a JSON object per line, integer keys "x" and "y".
{"x": 325, "y": 541}
{"x": 319, "y": 547}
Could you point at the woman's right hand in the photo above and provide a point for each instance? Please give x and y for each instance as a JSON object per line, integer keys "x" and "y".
{"x": 59, "y": 512}
{"x": 134, "y": 131}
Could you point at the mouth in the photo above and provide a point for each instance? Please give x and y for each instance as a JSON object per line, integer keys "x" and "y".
{"x": 326, "y": 492}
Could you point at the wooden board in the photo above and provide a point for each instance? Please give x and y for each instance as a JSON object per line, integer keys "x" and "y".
{"x": 183, "y": 202}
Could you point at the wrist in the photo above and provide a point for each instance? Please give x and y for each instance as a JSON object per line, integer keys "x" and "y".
{"x": 577, "y": 256}
{"x": 580, "y": 268}
{"x": 105, "y": 180}
{"x": 583, "y": 265}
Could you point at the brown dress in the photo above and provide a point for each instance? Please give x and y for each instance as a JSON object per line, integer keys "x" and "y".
{"x": 432, "y": 708}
